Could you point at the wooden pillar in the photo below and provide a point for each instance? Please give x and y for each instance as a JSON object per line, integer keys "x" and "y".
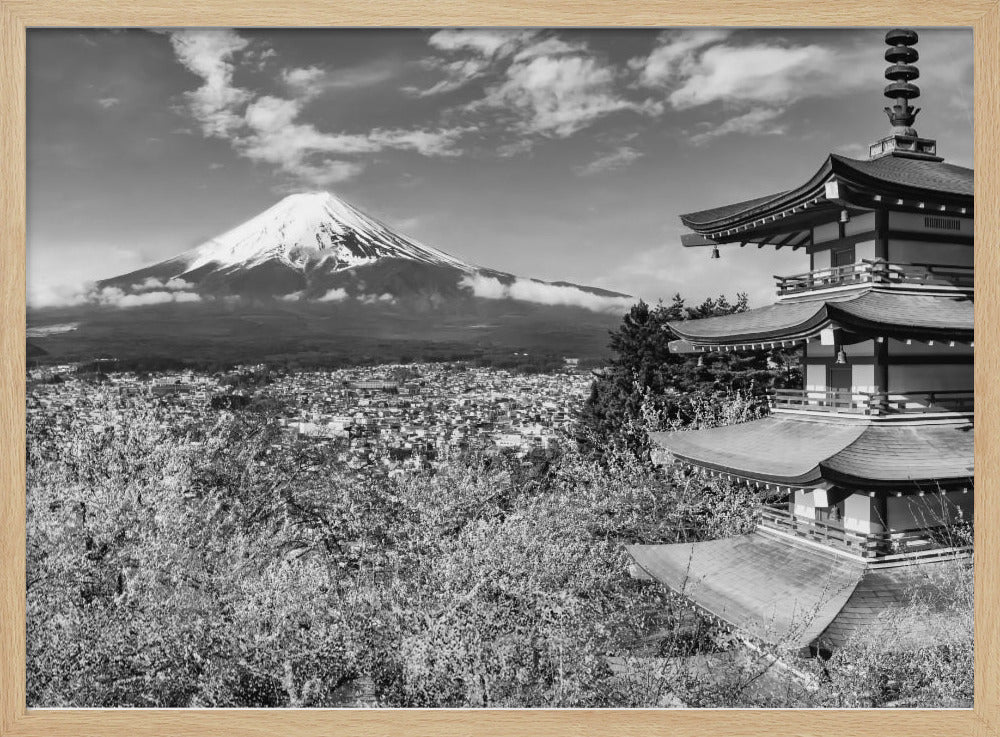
{"x": 882, "y": 234}
{"x": 881, "y": 364}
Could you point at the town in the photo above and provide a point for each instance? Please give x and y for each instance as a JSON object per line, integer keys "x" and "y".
{"x": 389, "y": 418}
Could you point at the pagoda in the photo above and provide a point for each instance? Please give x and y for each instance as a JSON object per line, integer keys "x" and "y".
{"x": 871, "y": 461}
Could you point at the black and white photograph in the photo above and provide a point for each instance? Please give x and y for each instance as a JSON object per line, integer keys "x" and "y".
{"x": 499, "y": 368}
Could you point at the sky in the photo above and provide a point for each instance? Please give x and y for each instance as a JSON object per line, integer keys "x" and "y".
{"x": 559, "y": 155}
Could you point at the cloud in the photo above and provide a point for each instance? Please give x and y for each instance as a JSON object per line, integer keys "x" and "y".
{"x": 371, "y": 299}
{"x": 276, "y": 138}
{"x": 674, "y": 50}
{"x": 208, "y": 53}
{"x": 116, "y": 298}
{"x": 706, "y": 66}
{"x": 759, "y": 121}
{"x": 760, "y": 73}
{"x": 556, "y": 96}
{"x": 309, "y": 82}
{"x": 267, "y": 129}
{"x": 551, "y": 46}
{"x": 334, "y": 295}
{"x": 152, "y": 283}
{"x": 515, "y": 148}
{"x": 148, "y": 292}
{"x": 55, "y": 295}
{"x": 754, "y": 83}
{"x": 485, "y": 42}
{"x": 538, "y": 85}
{"x": 529, "y": 290}
{"x": 620, "y": 158}
{"x": 108, "y": 102}
{"x": 304, "y": 80}
{"x": 482, "y": 48}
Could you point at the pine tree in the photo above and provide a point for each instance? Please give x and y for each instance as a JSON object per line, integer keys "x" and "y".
{"x": 644, "y": 367}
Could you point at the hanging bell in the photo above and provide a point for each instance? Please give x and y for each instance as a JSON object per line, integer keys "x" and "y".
{"x": 715, "y": 252}
{"x": 841, "y": 357}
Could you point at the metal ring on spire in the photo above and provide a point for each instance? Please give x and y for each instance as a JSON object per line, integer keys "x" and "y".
{"x": 900, "y": 89}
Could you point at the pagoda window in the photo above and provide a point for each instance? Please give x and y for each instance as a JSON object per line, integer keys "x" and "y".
{"x": 842, "y": 256}
{"x": 930, "y": 238}
{"x": 946, "y": 226}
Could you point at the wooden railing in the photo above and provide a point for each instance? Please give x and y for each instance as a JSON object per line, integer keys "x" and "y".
{"x": 877, "y": 272}
{"x": 910, "y": 542}
{"x": 875, "y": 404}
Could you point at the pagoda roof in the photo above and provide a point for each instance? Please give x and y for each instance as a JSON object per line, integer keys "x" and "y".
{"x": 777, "y": 592}
{"x": 890, "y": 313}
{"x": 790, "y": 450}
{"x": 791, "y": 595}
{"x": 889, "y": 176}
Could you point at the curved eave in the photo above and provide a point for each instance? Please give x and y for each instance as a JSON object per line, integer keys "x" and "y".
{"x": 737, "y": 214}
{"x": 799, "y": 452}
{"x": 871, "y": 312}
{"x": 890, "y": 180}
{"x": 792, "y": 321}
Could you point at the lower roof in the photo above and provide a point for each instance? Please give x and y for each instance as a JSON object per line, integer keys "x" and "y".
{"x": 790, "y": 450}
{"x": 777, "y": 592}
{"x": 792, "y": 595}
{"x": 872, "y": 312}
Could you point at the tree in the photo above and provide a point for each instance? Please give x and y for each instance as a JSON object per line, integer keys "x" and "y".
{"x": 646, "y": 376}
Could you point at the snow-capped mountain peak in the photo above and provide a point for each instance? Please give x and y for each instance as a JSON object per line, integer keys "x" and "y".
{"x": 306, "y": 230}
{"x": 315, "y": 248}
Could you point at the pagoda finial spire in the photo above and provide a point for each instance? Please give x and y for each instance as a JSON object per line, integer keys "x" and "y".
{"x": 901, "y": 56}
{"x": 903, "y": 141}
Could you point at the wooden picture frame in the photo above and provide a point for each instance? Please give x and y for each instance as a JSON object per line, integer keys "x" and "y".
{"x": 18, "y": 15}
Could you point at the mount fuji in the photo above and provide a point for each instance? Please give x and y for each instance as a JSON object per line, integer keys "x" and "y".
{"x": 316, "y": 247}
{"x": 314, "y": 279}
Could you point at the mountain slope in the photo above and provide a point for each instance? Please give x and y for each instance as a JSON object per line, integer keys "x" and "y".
{"x": 311, "y": 245}
{"x": 314, "y": 279}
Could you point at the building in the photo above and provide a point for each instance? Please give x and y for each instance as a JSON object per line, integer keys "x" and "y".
{"x": 872, "y": 459}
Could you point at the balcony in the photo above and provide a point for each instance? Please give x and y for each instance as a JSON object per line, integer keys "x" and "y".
{"x": 877, "y": 272}
{"x": 873, "y": 404}
{"x": 924, "y": 542}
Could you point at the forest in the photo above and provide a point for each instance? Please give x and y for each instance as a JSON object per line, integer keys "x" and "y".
{"x": 239, "y": 570}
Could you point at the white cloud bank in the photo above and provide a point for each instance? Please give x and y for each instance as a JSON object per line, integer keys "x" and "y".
{"x": 529, "y": 290}
{"x": 150, "y": 291}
